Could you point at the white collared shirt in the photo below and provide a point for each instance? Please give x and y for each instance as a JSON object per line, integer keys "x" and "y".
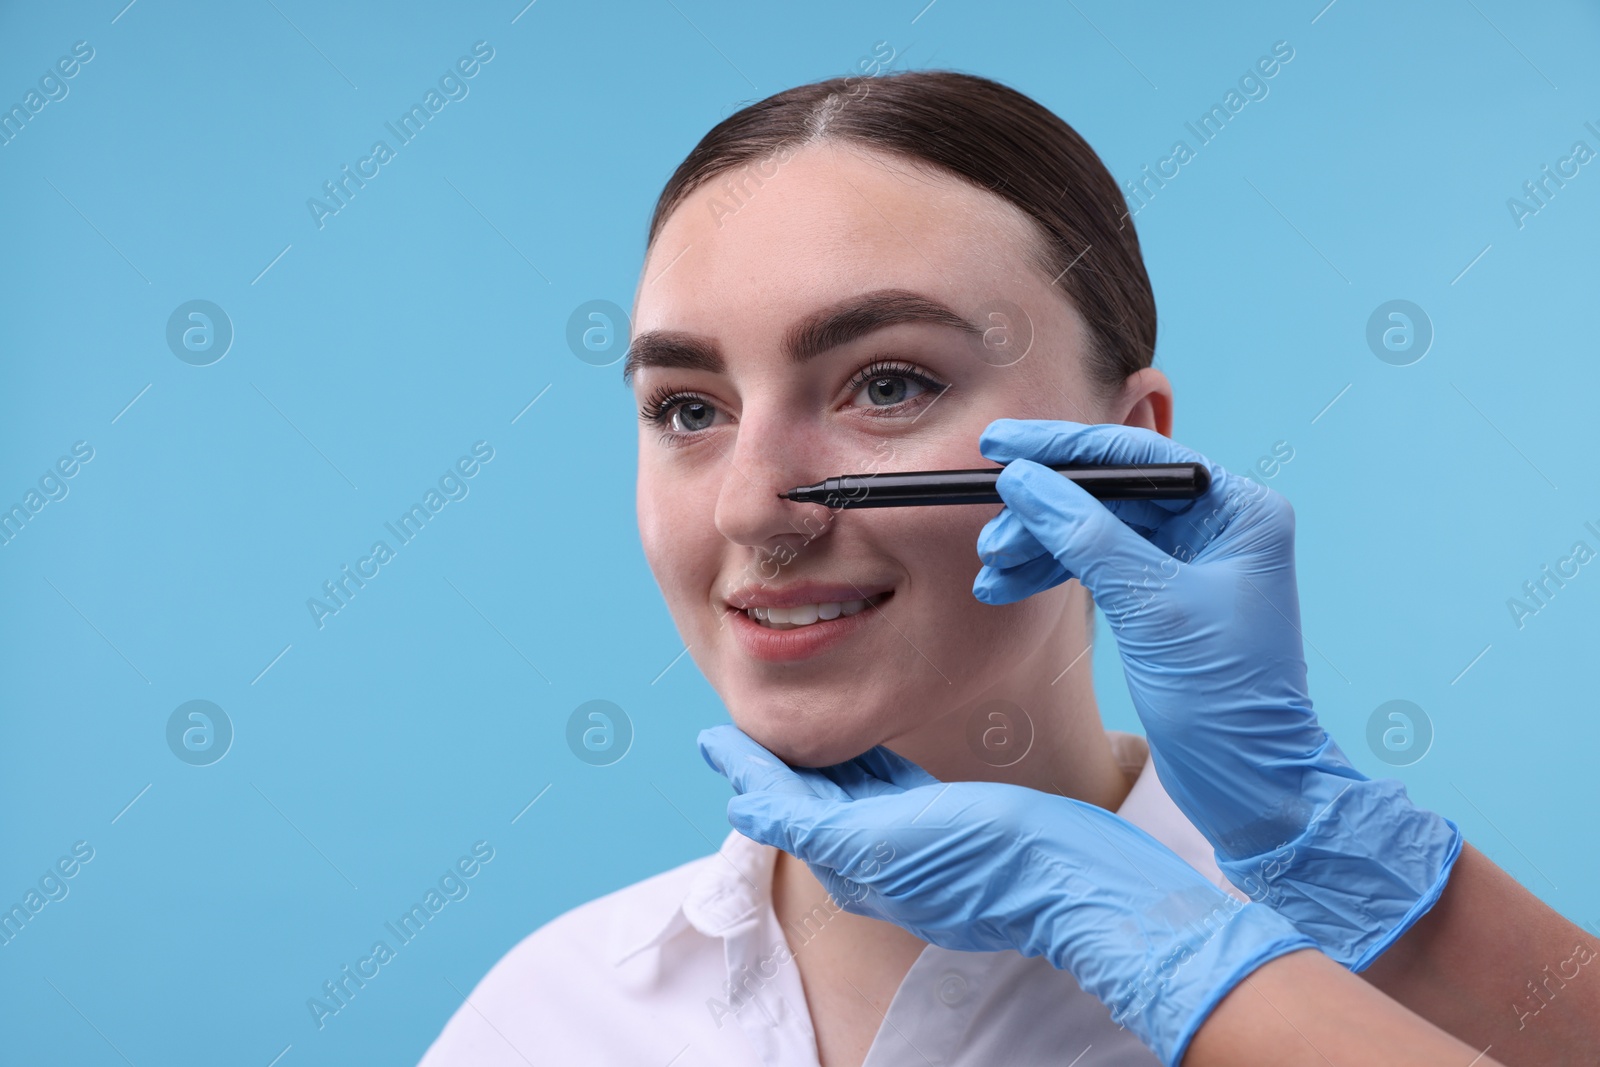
{"x": 689, "y": 968}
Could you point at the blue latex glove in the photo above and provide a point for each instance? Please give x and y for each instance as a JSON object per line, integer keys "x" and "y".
{"x": 986, "y": 866}
{"x": 1201, "y": 596}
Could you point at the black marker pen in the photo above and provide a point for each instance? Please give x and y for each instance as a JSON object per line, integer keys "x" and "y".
{"x": 898, "y": 489}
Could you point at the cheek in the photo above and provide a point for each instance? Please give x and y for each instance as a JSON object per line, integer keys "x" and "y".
{"x": 939, "y": 550}
{"x": 673, "y": 536}
{"x": 680, "y": 541}
{"x": 937, "y": 545}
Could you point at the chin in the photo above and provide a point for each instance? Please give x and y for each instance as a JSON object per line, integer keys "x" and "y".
{"x": 806, "y": 741}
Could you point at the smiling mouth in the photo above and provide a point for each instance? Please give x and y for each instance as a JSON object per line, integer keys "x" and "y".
{"x": 810, "y": 614}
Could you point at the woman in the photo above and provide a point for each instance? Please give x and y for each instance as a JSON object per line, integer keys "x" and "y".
{"x": 849, "y": 276}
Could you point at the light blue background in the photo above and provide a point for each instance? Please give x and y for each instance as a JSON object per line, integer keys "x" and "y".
{"x": 431, "y": 310}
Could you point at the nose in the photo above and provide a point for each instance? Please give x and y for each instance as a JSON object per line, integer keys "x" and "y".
{"x": 768, "y": 458}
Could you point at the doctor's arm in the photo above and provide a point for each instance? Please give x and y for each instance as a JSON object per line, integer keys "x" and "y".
{"x": 1305, "y": 1009}
{"x": 1202, "y": 598}
{"x": 1201, "y": 978}
{"x": 1496, "y": 966}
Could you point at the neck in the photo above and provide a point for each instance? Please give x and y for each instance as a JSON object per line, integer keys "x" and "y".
{"x": 1038, "y": 727}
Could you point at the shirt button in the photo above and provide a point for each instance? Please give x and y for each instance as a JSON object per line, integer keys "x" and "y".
{"x": 952, "y": 988}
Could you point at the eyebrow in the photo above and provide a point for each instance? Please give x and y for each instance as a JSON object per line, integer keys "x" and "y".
{"x": 817, "y": 333}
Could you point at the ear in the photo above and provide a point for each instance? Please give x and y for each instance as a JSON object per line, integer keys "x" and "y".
{"x": 1145, "y": 400}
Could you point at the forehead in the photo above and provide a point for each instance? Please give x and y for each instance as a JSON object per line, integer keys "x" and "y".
{"x": 762, "y": 245}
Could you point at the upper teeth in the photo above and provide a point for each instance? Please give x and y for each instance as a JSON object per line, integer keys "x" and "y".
{"x": 806, "y": 614}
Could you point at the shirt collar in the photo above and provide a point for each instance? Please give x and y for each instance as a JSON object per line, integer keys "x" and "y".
{"x": 728, "y": 890}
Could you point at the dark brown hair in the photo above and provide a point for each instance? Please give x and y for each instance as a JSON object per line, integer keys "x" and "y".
{"x": 994, "y": 137}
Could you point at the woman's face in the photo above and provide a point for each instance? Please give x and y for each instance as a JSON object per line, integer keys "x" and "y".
{"x": 766, "y": 307}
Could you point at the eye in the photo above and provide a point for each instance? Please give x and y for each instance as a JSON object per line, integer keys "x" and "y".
{"x": 693, "y": 415}
{"x": 885, "y": 384}
{"x": 678, "y": 414}
{"x": 892, "y": 388}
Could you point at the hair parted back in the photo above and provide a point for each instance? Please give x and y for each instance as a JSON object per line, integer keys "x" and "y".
{"x": 996, "y": 138}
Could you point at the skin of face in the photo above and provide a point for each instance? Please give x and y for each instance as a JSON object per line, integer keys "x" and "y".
{"x": 836, "y": 221}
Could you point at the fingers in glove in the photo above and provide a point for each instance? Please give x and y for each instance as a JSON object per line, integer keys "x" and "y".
{"x": 878, "y": 772}
{"x": 747, "y": 764}
{"x": 1087, "y": 540}
{"x": 1047, "y": 441}
{"x": 891, "y": 766}
{"x": 1007, "y": 584}
{"x": 1006, "y": 541}
{"x": 817, "y": 831}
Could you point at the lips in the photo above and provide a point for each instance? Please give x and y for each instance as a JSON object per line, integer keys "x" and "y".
{"x": 791, "y": 644}
{"x": 761, "y": 595}
{"x": 810, "y": 614}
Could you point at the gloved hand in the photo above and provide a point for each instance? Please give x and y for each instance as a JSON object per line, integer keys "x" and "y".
{"x": 1202, "y": 599}
{"x": 985, "y": 866}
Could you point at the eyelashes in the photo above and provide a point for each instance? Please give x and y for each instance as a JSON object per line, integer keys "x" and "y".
{"x": 892, "y": 369}
{"x": 660, "y": 406}
{"x": 661, "y": 403}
